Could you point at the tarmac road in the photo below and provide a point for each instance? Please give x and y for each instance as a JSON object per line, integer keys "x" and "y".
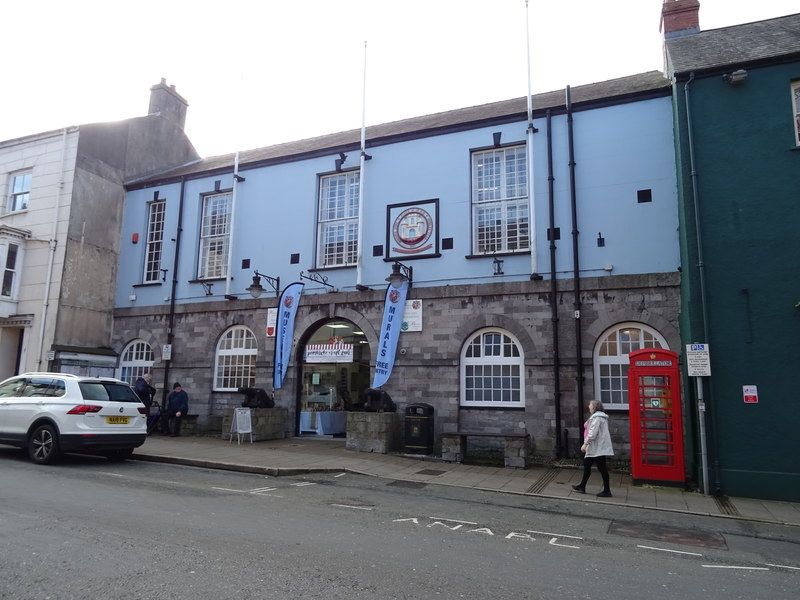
{"x": 88, "y": 528}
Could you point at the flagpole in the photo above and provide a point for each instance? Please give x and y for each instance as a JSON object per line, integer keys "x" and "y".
{"x": 229, "y": 275}
{"x": 531, "y": 131}
{"x": 359, "y": 247}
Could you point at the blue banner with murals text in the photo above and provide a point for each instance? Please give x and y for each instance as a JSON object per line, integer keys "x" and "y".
{"x": 393, "y": 308}
{"x": 284, "y": 333}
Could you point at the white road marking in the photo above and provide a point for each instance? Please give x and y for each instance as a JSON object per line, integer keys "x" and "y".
{"x": 355, "y": 507}
{"x": 264, "y": 489}
{"x": 668, "y": 550}
{"x": 735, "y": 567}
{"x": 485, "y": 530}
{"x": 561, "y": 535}
{"x": 553, "y": 543}
{"x": 522, "y": 536}
{"x": 445, "y": 525}
{"x": 303, "y": 483}
{"x": 266, "y": 494}
{"x": 783, "y": 566}
{"x": 112, "y": 474}
{"x": 229, "y": 490}
{"x": 414, "y": 520}
{"x": 340, "y": 475}
{"x": 452, "y": 520}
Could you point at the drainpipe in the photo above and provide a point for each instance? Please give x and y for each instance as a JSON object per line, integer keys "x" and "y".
{"x": 53, "y": 242}
{"x": 576, "y": 305}
{"x": 701, "y": 268}
{"x": 553, "y": 285}
{"x": 171, "y": 322}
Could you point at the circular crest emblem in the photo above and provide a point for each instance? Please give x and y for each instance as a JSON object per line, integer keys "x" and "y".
{"x": 394, "y": 296}
{"x": 288, "y": 301}
{"x": 412, "y": 228}
{"x": 652, "y": 356}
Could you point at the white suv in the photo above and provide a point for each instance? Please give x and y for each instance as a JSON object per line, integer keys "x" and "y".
{"x": 51, "y": 413}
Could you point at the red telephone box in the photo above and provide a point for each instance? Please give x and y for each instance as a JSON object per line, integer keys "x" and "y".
{"x": 655, "y": 411}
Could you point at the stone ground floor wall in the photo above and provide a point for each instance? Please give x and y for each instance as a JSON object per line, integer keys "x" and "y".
{"x": 427, "y": 362}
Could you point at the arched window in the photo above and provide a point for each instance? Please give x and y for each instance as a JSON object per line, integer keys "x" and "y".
{"x": 235, "y": 360}
{"x": 611, "y": 360}
{"x": 137, "y": 359}
{"x": 492, "y": 370}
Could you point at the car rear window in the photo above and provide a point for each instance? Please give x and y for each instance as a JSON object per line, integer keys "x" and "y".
{"x": 102, "y": 391}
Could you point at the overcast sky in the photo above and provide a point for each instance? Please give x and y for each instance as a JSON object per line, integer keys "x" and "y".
{"x": 257, "y": 73}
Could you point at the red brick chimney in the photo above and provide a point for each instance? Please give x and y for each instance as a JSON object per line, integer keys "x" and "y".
{"x": 680, "y": 17}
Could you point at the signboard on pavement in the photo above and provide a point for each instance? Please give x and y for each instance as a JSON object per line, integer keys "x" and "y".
{"x": 698, "y": 360}
{"x": 241, "y": 423}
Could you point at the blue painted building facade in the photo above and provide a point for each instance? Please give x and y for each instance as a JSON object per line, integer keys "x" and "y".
{"x": 294, "y": 210}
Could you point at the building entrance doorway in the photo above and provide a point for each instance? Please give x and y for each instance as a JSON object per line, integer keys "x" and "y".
{"x": 10, "y": 351}
{"x": 334, "y": 374}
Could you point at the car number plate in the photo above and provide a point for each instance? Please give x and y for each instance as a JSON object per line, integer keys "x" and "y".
{"x": 117, "y": 420}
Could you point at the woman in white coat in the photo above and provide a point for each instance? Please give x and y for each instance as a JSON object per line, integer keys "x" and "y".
{"x": 596, "y": 447}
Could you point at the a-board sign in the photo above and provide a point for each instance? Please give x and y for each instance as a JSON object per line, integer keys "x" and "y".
{"x": 241, "y": 422}
{"x": 698, "y": 360}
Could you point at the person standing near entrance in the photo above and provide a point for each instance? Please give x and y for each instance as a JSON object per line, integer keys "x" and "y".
{"x": 596, "y": 447}
{"x": 177, "y": 406}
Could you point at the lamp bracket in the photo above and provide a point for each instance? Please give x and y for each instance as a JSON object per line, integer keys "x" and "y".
{"x": 317, "y": 278}
{"x": 274, "y": 282}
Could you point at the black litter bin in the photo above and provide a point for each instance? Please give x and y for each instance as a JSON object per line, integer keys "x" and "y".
{"x": 419, "y": 429}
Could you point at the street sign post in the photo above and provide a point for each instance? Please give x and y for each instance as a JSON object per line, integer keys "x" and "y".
{"x": 698, "y": 360}
{"x": 698, "y": 364}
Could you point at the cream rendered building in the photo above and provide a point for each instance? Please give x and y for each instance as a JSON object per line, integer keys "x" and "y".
{"x": 62, "y": 195}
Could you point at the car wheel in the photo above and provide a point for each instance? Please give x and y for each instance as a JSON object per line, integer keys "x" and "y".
{"x": 43, "y": 445}
{"x": 119, "y": 455}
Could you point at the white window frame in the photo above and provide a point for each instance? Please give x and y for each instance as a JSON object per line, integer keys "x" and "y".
{"x": 14, "y": 270}
{"x": 795, "y": 91}
{"x": 15, "y": 195}
{"x": 337, "y": 219}
{"x": 614, "y": 380}
{"x": 135, "y": 360}
{"x": 236, "y": 349}
{"x": 506, "y": 193}
{"x": 493, "y": 361}
{"x": 215, "y": 236}
{"x": 155, "y": 241}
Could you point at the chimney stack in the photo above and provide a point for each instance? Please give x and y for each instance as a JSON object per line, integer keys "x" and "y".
{"x": 680, "y": 17}
{"x": 168, "y": 103}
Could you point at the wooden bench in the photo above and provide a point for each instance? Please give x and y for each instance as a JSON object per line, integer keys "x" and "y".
{"x": 516, "y": 447}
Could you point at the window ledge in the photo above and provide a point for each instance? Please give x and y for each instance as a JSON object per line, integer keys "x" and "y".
{"x": 617, "y": 409}
{"x": 471, "y": 407}
{"x": 332, "y": 268}
{"x": 15, "y": 212}
{"x": 496, "y": 254}
{"x": 207, "y": 279}
{"x": 148, "y": 284}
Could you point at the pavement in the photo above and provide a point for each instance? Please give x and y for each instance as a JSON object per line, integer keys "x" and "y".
{"x": 302, "y": 455}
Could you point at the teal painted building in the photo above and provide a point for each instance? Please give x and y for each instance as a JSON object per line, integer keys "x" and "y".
{"x": 736, "y": 100}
